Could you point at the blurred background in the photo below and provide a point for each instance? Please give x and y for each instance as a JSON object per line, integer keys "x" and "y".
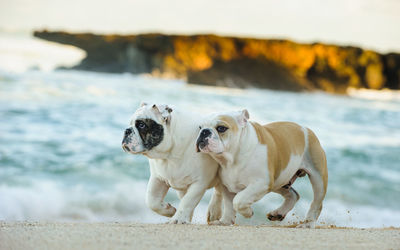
{"x": 73, "y": 72}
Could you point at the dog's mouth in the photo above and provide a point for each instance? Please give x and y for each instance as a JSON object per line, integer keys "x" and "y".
{"x": 202, "y": 145}
{"x": 128, "y": 149}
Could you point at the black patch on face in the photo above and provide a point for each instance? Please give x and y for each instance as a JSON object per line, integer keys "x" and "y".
{"x": 150, "y": 131}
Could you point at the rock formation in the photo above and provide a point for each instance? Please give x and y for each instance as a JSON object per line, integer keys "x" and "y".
{"x": 236, "y": 62}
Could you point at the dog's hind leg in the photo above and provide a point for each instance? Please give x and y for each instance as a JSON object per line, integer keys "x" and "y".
{"x": 214, "y": 211}
{"x": 291, "y": 197}
{"x": 315, "y": 164}
{"x": 316, "y": 205}
{"x": 229, "y": 214}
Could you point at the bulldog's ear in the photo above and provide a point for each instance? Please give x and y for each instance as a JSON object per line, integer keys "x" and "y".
{"x": 143, "y": 104}
{"x": 164, "y": 111}
{"x": 243, "y": 117}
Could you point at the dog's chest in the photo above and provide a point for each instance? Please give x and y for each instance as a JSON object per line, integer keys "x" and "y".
{"x": 247, "y": 169}
{"x": 232, "y": 180}
{"x": 173, "y": 175}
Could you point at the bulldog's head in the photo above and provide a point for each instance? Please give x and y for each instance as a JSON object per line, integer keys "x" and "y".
{"x": 148, "y": 130}
{"x": 221, "y": 132}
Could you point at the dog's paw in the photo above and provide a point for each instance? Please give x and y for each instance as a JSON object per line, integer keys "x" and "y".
{"x": 275, "y": 216}
{"x": 221, "y": 222}
{"x": 246, "y": 212}
{"x": 214, "y": 213}
{"x": 310, "y": 224}
{"x": 178, "y": 220}
{"x": 169, "y": 210}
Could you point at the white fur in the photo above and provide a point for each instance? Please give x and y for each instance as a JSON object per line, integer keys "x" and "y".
{"x": 294, "y": 164}
{"x": 175, "y": 163}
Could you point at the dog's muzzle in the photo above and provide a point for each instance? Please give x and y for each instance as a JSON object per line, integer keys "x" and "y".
{"x": 131, "y": 142}
{"x": 127, "y": 139}
{"x": 202, "y": 141}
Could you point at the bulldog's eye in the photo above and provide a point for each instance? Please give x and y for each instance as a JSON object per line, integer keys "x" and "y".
{"x": 221, "y": 129}
{"x": 140, "y": 125}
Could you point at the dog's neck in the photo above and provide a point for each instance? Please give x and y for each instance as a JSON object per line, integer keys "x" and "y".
{"x": 238, "y": 150}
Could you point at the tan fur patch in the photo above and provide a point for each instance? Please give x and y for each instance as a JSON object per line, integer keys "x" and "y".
{"x": 282, "y": 139}
{"x": 229, "y": 121}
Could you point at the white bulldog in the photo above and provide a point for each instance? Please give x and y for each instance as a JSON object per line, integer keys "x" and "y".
{"x": 256, "y": 160}
{"x": 166, "y": 137}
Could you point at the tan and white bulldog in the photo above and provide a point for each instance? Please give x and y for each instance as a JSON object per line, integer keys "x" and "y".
{"x": 257, "y": 159}
{"x": 166, "y": 136}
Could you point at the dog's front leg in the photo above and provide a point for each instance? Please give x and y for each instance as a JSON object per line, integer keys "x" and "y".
{"x": 245, "y": 198}
{"x": 156, "y": 191}
{"x": 188, "y": 203}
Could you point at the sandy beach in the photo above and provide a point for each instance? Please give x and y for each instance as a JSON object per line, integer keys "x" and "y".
{"x": 28, "y": 235}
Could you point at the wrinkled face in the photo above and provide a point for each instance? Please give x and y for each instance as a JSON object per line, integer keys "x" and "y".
{"x": 220, "y": 132}
{"x": 148, "y": 128}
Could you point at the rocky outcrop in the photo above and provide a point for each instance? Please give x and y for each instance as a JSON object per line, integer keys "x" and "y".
{"x": 237, "y": 62}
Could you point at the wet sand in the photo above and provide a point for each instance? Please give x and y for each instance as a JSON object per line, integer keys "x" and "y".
{"x": 41, "y": 235}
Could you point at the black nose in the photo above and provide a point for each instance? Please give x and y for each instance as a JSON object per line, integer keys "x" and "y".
{"x": 206, "y": 132}
{"x": 128, "y": 131}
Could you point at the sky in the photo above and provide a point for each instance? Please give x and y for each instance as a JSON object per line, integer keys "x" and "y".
{"x": 371, "y": 24}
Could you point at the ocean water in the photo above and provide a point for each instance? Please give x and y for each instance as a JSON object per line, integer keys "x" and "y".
{"x": 61, "y": 159}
